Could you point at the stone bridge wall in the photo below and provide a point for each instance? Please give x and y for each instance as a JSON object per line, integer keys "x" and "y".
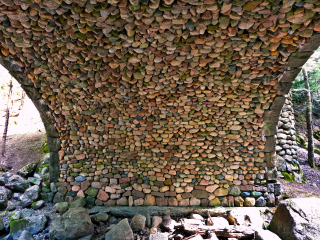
{"x": 160, "y": 102}
{"x": 286, "y": 148}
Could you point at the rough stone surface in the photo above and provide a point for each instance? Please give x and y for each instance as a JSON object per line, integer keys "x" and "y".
{"x": 31, "y": 195}
{"x": 5, "y": 195}
{"x": 25, "y": 235}
{"x": 297, "y": 218}
{"x": 138, "y": 223}
{"x": 265, "y": 235}
{"x": 73, "y": 224}
{"x": 17, "y": 183}
{"x": 122, "y": 231}
{"x": 153, "y": 98}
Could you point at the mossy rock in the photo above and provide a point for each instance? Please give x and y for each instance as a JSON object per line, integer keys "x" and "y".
{"x": 92, "y": 192}
{"x": 17, "y": 227}
{"x": 28, "y": 170}
{"x": 288, "y": 177}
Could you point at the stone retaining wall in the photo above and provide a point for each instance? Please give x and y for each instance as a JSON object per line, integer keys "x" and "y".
{"x": 286, "y": 148}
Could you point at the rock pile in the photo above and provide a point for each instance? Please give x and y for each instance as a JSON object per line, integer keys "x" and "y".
{"x": 286, "y": 145}
{"x": 294, "y": 219}
{"x": 158, "y": 102}
{"x": 24, "y": 189}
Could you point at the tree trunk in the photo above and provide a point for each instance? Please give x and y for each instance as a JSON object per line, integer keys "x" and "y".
{"x": 4, "y": 138}
{"x": 309, "y": 120}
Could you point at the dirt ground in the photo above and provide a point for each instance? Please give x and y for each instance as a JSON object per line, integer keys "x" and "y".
{"x": 25, "y": 135}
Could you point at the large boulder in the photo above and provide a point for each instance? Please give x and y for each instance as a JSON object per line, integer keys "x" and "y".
{"x": 31, "y": 195}
{"x": 5, "y": 195}
{"x": 72, "y": 225}
{"x": 17, "y": 183}
{"x": 297, "y": 218}
{"x": 122, "y": 231}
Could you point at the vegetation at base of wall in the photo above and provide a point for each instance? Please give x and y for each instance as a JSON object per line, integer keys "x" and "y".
{"x": 44, "y": 148}
{"x": 288, "y": 177}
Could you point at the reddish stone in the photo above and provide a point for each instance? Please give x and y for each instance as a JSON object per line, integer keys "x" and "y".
{"x": 149, "y": 200}
{"x": 84, "y": 185}
{"x": 161, "y": 201}
{"x": 110, "y": 203}
{"x": 124, "y": 180}
{"x": 200, "y": 187}
{"x": 102, "y": 195}
{"x": 230, "y": 201}
{"x": 170, "y": 194}
{"x": 247, "y": 188}
{"x": 172, "y": 202}
{"x": 204, "y": 182}
{"x": 187, "y": 195}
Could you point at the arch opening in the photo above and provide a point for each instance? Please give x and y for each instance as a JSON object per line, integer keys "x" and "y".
{"x": 52, "y": 134}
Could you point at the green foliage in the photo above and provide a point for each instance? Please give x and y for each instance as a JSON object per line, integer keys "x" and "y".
{"x": 312, "y": 67}
{"x": 301, "y": 141}
{"x": 44, "y": 148}
{"x": 288, "y": 177}
{"x": 298, "y": 98}
{"x": 316, "y": 134}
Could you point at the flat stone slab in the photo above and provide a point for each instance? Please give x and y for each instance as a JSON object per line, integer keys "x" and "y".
{"x": 172, "y": 211}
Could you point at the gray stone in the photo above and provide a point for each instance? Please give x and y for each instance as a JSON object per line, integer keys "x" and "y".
{"x": 234, "y": 190}
{"x": 122, "y": 231}
{"x": 58, "y": 197}
{"x": 159, "y": 236}
{"x": 31, "y": 195}
{"x": 28, "y": 170}
{"x": 148, "y": 218}
{"x": 271, "y": 201}
{"x": 3, "y": 181}
{"x": 80, "y": 178}
{"x": 61, "y": 207}
{"x": 261, "y": 234}
{"x": 297, "y": 218}
{"x": 17, "y": 183}
{"x": 2, "y": 227}
{"x": 80, "y": 202}
{"x": 281, "y": 164}
{"x": 25, "y": 235}
{"x": 53, "y": 187}
{"x": 5, "y": 196}
{"x": 138, "y": 223}
{"x": 72, "y": 225}
{"x": 33, "y": 224}
{"x": 261, "y": 202}
{"x": 156, "y": 221}
{"x": 100, "y": 217}
{"x": 38, "y": 204}
{"x": 34, "y": 180}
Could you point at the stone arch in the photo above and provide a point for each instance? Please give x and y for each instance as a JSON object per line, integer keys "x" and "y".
{"x": 271, "y": 116}
{"x": 47, "y": 118}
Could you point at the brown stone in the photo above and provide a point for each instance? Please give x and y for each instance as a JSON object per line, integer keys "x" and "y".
{"x": 102, "y": 195}
{"x": 149, "y": 200}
